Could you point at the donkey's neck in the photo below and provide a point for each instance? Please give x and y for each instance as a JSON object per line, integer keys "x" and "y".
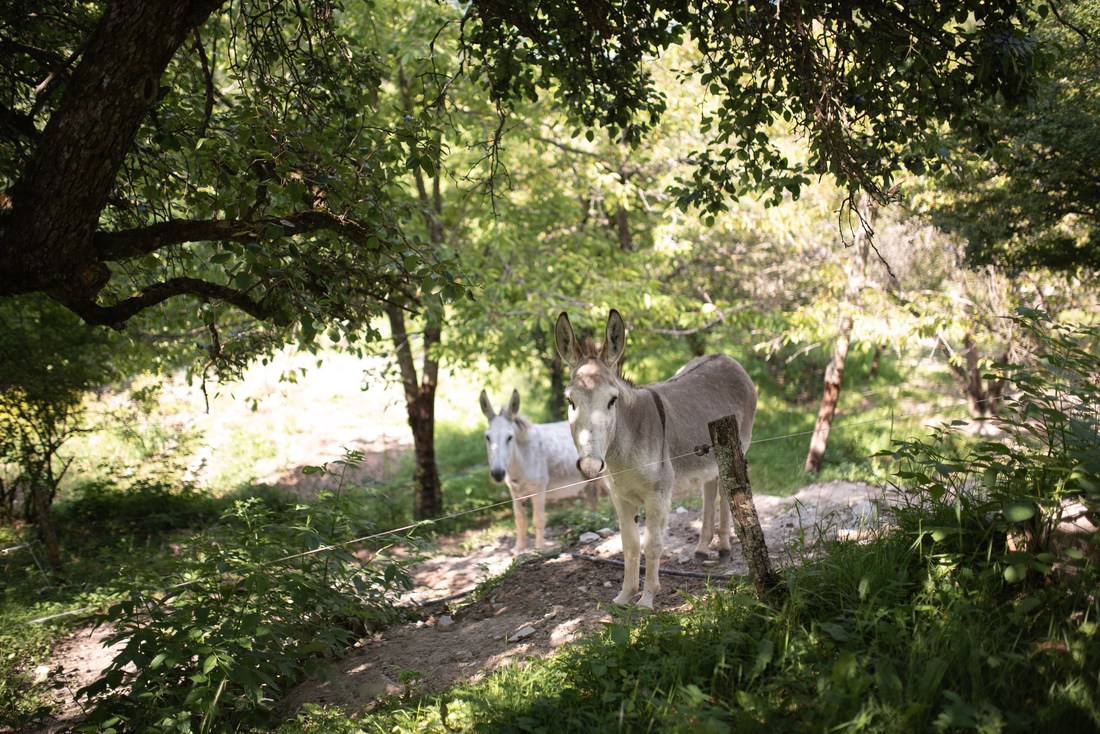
{"x": 639, "y": 427}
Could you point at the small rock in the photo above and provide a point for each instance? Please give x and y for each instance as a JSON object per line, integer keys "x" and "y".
{"x": 524, "y": 631}
{"x": 445, "y": 623}
{"x": 605, "y": 532}
{"x": 607, "y": 584}
{"x": 681, "y": 510}
{"x": 41, "y": 673}
{"x": 588, "y": 538}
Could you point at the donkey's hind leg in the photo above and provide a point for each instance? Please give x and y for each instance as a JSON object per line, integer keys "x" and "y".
{"x": 706, "y": 527}
{"x": 723, "y": 507}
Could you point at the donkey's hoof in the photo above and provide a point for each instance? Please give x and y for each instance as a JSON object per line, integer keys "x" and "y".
{"x": 724, "y": 555}
{"x": 701, "y": 557}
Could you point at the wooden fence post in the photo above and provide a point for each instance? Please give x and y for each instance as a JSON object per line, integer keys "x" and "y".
{"x": 733, "y": 475}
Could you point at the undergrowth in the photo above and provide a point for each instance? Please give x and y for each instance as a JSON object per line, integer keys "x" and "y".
{"x": 973, "y": 612}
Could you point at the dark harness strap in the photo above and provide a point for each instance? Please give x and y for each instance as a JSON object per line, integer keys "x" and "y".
{"x": 660, "y": 411}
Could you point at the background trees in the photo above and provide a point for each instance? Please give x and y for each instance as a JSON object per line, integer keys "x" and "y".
{"x": 295, "y": 169}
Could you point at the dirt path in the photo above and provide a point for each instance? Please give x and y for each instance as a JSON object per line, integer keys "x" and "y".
{"x": 555, "y": 598}
{"x": 545, "y": 601}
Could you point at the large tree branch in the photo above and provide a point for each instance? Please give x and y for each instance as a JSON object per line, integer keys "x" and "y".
{"x": 119, "y": 313}
{"x": 129, "y": 243}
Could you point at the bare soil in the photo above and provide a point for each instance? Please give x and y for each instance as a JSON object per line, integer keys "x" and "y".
{"x": 541, "y": 602}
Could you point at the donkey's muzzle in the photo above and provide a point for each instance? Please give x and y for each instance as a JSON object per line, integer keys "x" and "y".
{"x": 497, "y": 475}
{"x": 590, "y": 467}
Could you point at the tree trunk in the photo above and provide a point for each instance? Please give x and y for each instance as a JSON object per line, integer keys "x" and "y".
{"x": 982, "y": 397}
{"x": 834, "y": 372}
{"x": 48, "y": 217}
{"x": 44, "y": 521}
{"x": 420, "y": 406}
{"x": 733, "y": 473}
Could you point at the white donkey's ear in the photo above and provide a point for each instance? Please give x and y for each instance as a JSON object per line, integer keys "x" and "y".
{"x": 565, "y": 341}
{"x": 513, "y": 404}
{"x": 614, "y": 339}
{"x": 486, "y": 406}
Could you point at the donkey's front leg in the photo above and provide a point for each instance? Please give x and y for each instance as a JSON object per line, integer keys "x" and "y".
{"x": 656, "y": 525}
{"x": 632, "y": 548}
{"x": 538, "y": 503}
{"x": 519, "y": 509}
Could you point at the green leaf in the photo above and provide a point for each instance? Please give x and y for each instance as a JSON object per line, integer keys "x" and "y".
{"x": 1015, "y": 573}
{"x": 1019, "y": 511}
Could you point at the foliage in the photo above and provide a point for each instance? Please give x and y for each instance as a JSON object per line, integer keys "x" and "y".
{"x": 1009, "y": 495}
{"x": 48, "y": 362}
{"x": 1022, "y": 192}
{"x": 21, "y": 702}
{"x": 922, "y": 628}
{"x": 259, "y": 601}
{"x": 844, "y": 74}
{"x": 249, "y": 182}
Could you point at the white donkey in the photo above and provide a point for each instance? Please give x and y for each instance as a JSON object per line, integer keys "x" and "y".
{"x": 645, "y": 438}
{"x": 531, "y": 458}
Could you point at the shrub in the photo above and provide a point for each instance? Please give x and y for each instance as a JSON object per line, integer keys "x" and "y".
{"x": 1004, "y": 498}
{"x": 258, "y": 602}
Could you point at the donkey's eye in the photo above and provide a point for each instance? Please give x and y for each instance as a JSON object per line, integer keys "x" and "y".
{"x": 487, "y": 439}
{"x": 611, "y": 402}
{"x": 570, "y": 403}
{"x": 509, "y": 440}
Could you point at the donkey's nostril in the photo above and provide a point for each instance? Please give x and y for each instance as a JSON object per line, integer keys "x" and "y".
{"x": 497, "y": 474}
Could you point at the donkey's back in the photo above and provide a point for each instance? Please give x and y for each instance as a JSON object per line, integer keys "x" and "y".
{"x": 705, "y": 389}
{"x": 559, "y": 453}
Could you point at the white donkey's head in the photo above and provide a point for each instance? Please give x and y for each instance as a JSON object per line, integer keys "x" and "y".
{"x": 593, "y": 389}
{"x": 501, "y": 434}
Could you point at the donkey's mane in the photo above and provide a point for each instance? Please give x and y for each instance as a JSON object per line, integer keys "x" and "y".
{"x": 591, "y": 350}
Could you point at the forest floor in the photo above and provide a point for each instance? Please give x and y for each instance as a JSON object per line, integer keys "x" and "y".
{"x": 538, "y": 603}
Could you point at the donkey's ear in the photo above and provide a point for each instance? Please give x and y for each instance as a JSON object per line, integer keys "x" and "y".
{"x": 614, "y": 339}
{"x": 566, "y": 343}
{"x": 486, "y": 406}
{"x": 513, "y": 404}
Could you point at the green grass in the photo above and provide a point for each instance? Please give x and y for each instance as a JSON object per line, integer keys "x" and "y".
{"x": 875, "y": 637}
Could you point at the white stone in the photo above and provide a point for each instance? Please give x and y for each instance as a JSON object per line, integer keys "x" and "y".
{"x": 588, "y": 537}
{"x": 524, "y": 631}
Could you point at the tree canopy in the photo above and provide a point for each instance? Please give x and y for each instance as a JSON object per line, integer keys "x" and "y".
{"x": 866, "y": 82}
{"x": 1023, "y": 191}
{"x": 151, "y": 149}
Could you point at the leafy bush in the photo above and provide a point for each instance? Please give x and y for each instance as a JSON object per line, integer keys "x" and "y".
{"x": 144, "y": 507}
{"x": 256, "y": 604}
{"x": 1004, "y": 498}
